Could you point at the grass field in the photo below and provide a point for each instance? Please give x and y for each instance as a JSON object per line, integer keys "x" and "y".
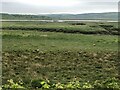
{"x": 66, "y": 27}
{"x": 60, "y": 57}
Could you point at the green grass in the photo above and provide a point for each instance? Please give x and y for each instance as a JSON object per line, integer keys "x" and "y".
{"x": 31, "y": 40}
{"x": 58, "y": 57}
{"x": 68, "y": 27}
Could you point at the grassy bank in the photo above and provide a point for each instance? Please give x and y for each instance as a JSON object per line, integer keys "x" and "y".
{"x": 60, "y": 58}
{"x": 109, "y": 28}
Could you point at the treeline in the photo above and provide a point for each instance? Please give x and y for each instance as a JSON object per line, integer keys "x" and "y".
{"x": 86, "y": 16}
{"x": 23, "y": 17}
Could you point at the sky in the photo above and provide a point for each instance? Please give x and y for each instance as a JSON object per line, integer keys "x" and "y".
{"x": 58, "y": 6}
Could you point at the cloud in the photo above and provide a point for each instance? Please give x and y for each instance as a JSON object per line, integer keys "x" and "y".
{"x": 2, "y": 1}
{"x": 100, "y": 0}
{"x": 61, "y": 6}
{"x": 45, "y": 2}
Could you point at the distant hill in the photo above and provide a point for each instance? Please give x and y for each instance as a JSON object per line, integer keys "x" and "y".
{"x": 100, "y": 16}
{"x": 105, "y": 16}
{"x": 23, "y": 17}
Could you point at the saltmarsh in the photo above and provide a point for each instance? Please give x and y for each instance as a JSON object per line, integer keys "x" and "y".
{"x": 66, "y": 27}
{"x": 31, "y": 40}
{"x": 58, "y": 57}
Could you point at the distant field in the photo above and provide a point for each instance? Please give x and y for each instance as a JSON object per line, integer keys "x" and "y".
{"x": 35, "y": 50}
{"x": 67, "y": 27}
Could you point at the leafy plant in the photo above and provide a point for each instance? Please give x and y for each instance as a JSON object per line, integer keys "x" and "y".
{"x": 111, "y": 83}
{"x": 11, "y": 85}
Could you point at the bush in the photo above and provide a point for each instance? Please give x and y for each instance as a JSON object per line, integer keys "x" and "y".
{"x": 39, "y": 84}
{"x": 78, "y": 24}
{"x": 36, "y": 83}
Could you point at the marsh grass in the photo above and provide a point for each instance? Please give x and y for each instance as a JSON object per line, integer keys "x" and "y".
{"x": 58, "y": 57}
{"x": 73, "y": 27}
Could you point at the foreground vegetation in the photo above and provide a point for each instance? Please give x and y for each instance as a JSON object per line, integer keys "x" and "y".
{"x": 38, "y": 60}
{"x": 108, "y": 84}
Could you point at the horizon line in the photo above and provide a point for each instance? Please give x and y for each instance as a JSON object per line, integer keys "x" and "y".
{"x": 53, "y": 13}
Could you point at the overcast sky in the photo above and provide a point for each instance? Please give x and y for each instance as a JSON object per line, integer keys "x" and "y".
{"x": 58, "y": 6}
